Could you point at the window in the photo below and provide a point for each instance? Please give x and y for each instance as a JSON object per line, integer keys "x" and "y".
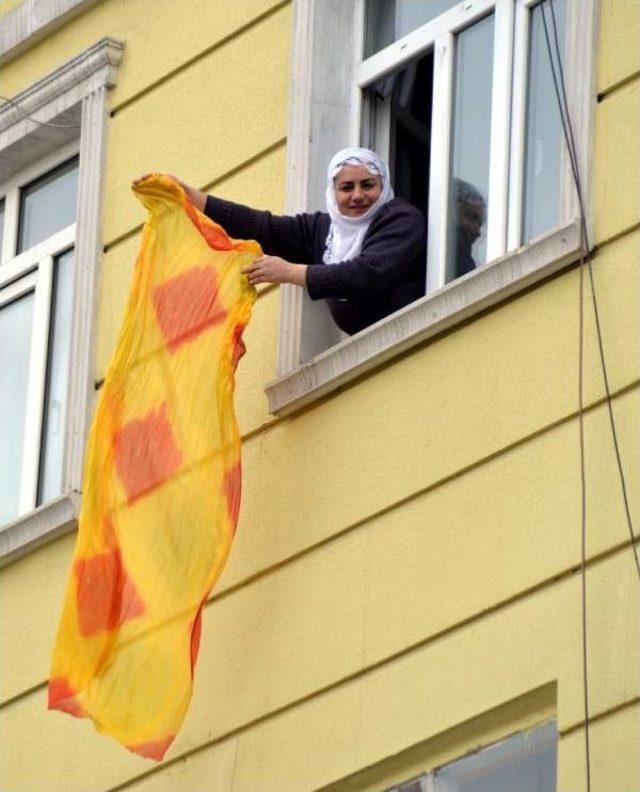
{"x": 451, "y": 119}
{"x": 36, "y": 290}
{"x": 525, "y": 761}
{"x": 459, "y": 96}
{"x": 49, "y": 268}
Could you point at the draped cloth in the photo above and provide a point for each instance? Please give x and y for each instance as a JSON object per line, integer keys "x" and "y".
{"x": 161, "y": 490}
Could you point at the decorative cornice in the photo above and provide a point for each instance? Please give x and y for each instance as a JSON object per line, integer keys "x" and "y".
{"x": 32, "y": 20}
{"x": 59, "y": 90}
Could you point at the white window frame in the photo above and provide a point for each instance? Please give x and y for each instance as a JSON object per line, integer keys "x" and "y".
{"x": 74, "y": 97}
{"x": 508, "y": 270}
{"x": 32, "y": 270}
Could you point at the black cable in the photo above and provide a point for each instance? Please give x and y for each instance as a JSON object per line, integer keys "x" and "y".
{"x": 561, "y": 96}
{"x": 35, "y": 120}
{"x": 570, "y": 140}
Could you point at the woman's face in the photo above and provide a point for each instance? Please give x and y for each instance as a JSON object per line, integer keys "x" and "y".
{"x": 356, "y": 190}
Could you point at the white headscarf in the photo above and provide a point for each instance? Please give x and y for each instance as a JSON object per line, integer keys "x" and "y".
{"x": 344, "y": 240}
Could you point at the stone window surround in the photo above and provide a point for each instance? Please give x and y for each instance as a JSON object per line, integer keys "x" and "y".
{"x": 321, "y": 115}
{"x": 75, "y": 94}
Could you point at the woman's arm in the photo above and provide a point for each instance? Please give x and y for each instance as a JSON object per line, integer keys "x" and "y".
{"x": 197, "y": 197}
{"x": 289, "y": 237}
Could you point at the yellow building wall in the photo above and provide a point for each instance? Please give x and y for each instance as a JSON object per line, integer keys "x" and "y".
{"x": 404, "y": 586}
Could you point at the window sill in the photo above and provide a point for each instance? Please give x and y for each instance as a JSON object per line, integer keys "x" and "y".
{"x": 39, "y": 527}
{"x": 423, "y": 319}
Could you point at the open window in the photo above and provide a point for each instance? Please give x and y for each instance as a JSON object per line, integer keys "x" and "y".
{"x": 459, "y": 96}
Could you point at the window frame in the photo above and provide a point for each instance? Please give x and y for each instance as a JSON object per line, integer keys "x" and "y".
{"x": 32, "y": 270}
{"x": 299, "y": 383}
{"x": 429, "y": 778}
{"x": 74, "y": 95}
{"x": 439, "y": 35}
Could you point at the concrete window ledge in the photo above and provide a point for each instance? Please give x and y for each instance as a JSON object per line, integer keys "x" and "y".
{"x": 425, "y": 318}
{"x": 39, "y": 527}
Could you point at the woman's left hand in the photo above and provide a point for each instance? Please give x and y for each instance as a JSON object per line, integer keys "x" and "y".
{"x": 273, "y": 269}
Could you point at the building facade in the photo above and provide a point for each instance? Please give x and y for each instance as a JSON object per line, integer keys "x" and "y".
{"x": 402, "y": 608}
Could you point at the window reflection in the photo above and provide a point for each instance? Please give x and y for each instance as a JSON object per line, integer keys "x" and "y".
{"x": 469, "y": 210}
{"x": 544, "y": 142}
{"x": 47, "y": 205}
{"x": 15, "y": 333}
{"x": 471, "y": 140}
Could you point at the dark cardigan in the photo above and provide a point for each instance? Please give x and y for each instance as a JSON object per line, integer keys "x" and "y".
{"x": 386, "y": 275}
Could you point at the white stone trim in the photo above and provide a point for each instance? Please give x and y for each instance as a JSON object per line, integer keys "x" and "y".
{"x": 38, "y": 527}
{"x": 320, "y": 121}
{"x": 95, "y": 114}
{"x": 298, "y": 139}
{"x": 456, "y": 302}
{"x": 54, "y": 98}
{"x": 583, "y": 17}
{"x": 32, "y": 20}
{"x": 78, "y": 90}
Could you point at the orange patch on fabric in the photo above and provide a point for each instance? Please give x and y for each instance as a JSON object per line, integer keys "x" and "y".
{"x": 105, "y": 595}
{"x": 62, "y": 697}
{"x": 188, "y": 304}
{"x": 154, "y": 749}
{"x": 131, "y": 603}
{"x": 214, "y": 235}
{"x": 232, "y": 488}
{"x": 146, "y": 453}
{"x": 239, "y": 347}
{"x": 196, "y": 632}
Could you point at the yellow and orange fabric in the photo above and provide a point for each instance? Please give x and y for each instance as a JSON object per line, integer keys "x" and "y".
{"x": 161, "y": 484}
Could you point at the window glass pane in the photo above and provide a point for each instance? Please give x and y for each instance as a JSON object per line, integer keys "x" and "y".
{"x": 47, "y": 205}
{"x": 389, "y": 20}
{"x": 522, "y": 762}
{"x": 51, "y": 456}
{"x": 544, "y": 143}
{"x": 1, "y": 226}
{"x": 15, "y": 345}
{"x": 469, "y": 186}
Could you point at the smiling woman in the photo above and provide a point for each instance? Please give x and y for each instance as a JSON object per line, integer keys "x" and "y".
{"x": 365, "y": 255}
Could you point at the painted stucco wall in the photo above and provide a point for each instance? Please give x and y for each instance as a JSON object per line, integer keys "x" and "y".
{"x": 404, "y": 585}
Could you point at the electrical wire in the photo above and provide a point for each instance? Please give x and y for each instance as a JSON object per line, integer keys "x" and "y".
{"x": 584, "y": 245}
{"x": 561, "y": 96}
{"x": 7, "y": 100}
